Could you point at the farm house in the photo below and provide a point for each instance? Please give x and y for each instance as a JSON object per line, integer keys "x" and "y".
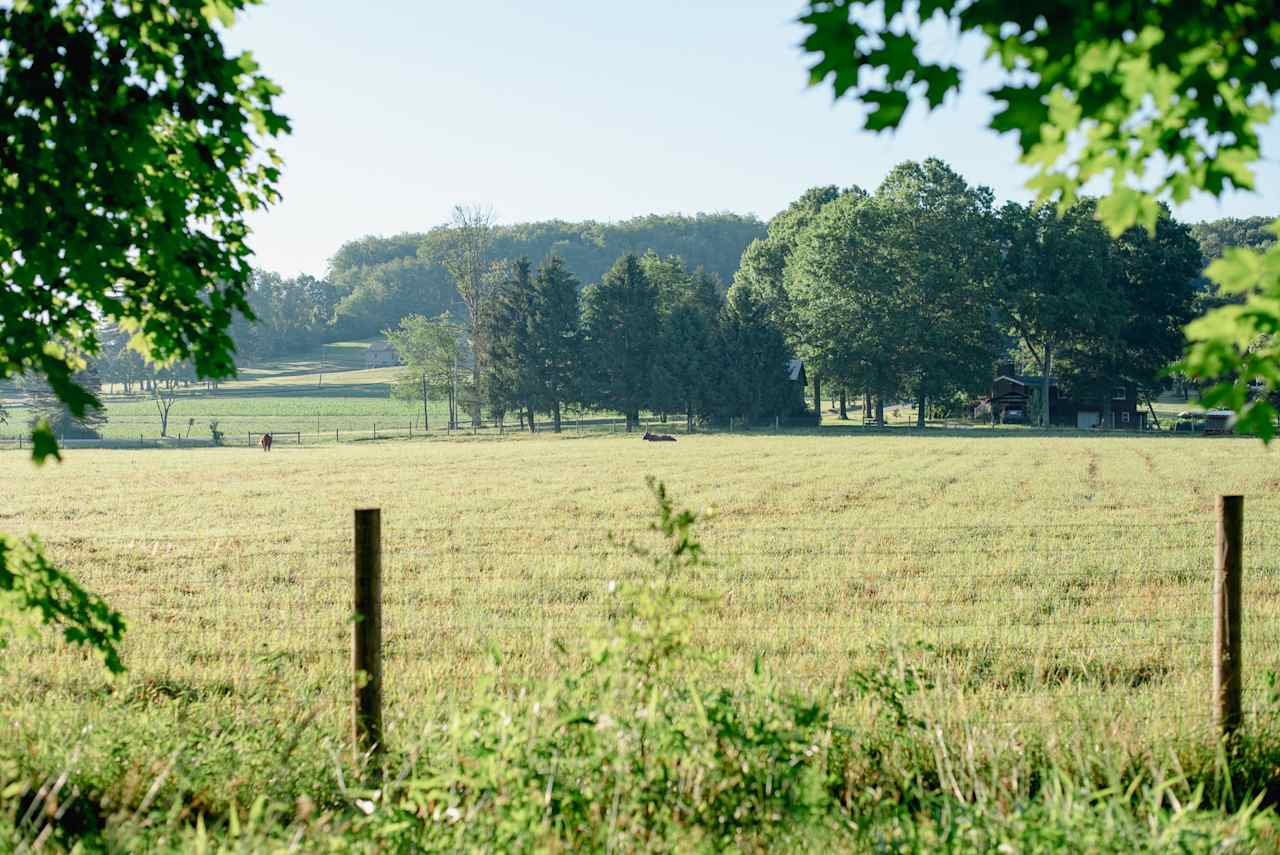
{"x": 1013, "y": 401}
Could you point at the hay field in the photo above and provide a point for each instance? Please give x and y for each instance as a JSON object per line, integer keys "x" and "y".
{"x": 1057, "y": 578}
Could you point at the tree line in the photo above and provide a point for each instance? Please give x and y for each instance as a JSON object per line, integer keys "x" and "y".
{"x": 913, "y": 291}
{"x": 650, "y": 335}
{"x": 372, "y": 282}
{"x": 917, "y": 289}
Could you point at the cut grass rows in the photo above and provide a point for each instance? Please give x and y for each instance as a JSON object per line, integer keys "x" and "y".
{"x": 1054, "y": 569}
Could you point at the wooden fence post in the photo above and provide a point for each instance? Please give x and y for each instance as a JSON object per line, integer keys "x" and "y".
{"x": 366, "y": 633}
{"x": 1227, "y": 570}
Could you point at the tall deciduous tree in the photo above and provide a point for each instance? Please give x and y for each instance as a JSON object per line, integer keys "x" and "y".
{"x": 844, "y": 292}
{"x": 132, "y": 153}
{"x": 938, "y": 245}
{"x": 466, "y": 257}
{"x": 431, "y": 351}
{"x": 1153, "y": 287}
{"x": 1052, "y": 282}
{"x": 763, "y": 270}
{"x": 620, "y": 329}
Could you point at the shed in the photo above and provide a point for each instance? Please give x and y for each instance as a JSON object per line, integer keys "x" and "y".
{"x": 380, "y": 355}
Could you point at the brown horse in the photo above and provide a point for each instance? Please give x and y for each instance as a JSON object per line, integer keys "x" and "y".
{"x": 658, "y": 437}
{"x": 266, "y": 442}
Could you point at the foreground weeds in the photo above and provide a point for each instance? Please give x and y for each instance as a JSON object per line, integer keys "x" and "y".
{"x": 639, "y": 744}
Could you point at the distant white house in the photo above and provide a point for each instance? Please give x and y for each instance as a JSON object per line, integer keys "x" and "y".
{"x": 380, "y": 354}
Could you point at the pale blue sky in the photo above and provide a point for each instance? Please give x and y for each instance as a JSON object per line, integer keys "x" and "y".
{"x": 579, "y": 109}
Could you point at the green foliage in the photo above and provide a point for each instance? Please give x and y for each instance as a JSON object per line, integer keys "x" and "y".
{"x": 1163, "y": 98}
{"x": 292, "y": 314}
{"x": 620, "y": 338}
{"x": 632, "y": 745}
{"x": 510, "y": 357}
{"x": 531, "y": 331}
{"x": 45, "y": 407}
{"x": 1052, "y": 282}
{"x": 144, "y": 225}
{"x": 687, "y": 368}
{"x": 1217, "y": 236}
{"x": 1166, "y": 94}
{"x": 29, "y": 583}
{"x": 752, "y": 381}
{"x": 764, "y": 262}
{"x": 1150, "y": 294}
{"x": 433, "y": 354}
{"x": 1235, "y": 347}
{"x": 379, "y": 280}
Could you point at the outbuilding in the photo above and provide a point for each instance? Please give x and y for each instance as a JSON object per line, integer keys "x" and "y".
{"x": 381, "y": 355}
{"x": 1013, "y": 396}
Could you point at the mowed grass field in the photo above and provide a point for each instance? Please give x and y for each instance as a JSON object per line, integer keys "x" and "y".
{"x": 315, "y": 392}
{"x": 1055, "y": 578}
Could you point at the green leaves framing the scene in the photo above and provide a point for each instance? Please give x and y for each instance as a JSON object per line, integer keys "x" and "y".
{"x": 1157, "y": 100}
{"x": 31, "y": 585}
{"x": 1167, "y": 96}
{"x": 143, "y": 226}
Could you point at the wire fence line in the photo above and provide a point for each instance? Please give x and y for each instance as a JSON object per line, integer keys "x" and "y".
{"x": 241, "y": 430}
{"x": 1060, "y": 609}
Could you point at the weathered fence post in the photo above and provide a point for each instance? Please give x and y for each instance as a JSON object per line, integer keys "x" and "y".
{"x": 335, "y": 436}
{"x": 366, "y": 632}
{"x": 1227, "y": 570}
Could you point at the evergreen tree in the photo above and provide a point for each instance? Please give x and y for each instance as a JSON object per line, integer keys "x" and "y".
{"x": 511, "y": 358}
{"x": 753, "y": 381}
{"x": 685, "y": 366}
{"x": 620, "y": 328}
{"x": 554, "y": 323}
{"x": 45, "y": 405}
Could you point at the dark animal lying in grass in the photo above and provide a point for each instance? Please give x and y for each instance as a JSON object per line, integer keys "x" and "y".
{"x": 658, "y": 437}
